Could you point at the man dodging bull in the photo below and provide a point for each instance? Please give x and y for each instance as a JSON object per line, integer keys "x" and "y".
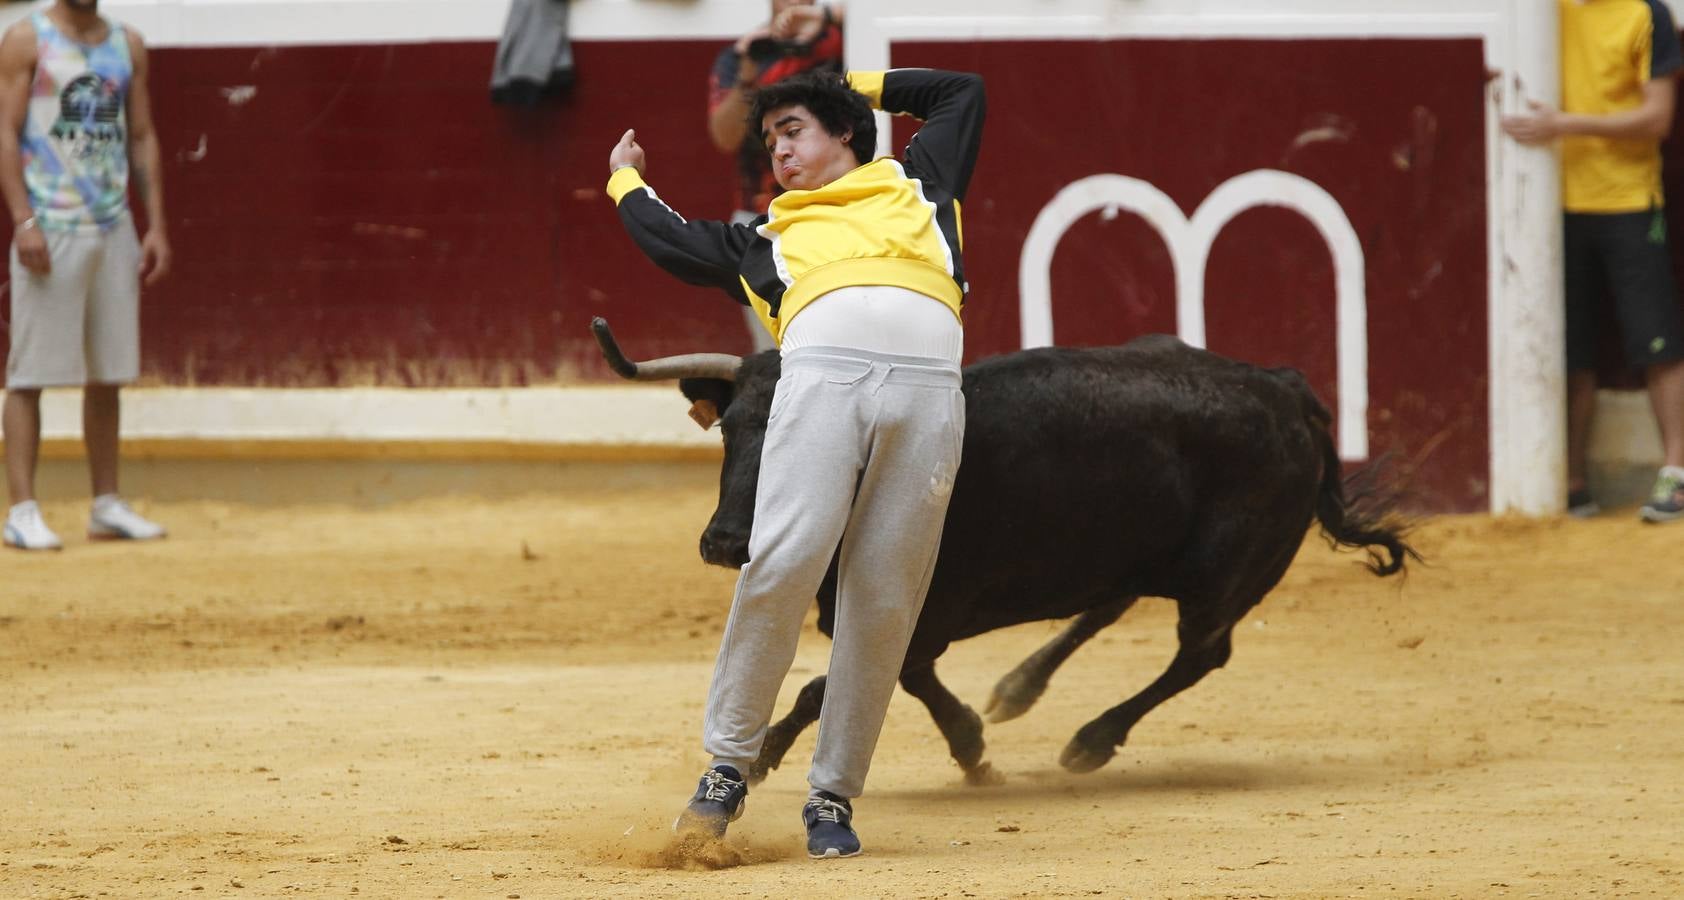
{"x": 856, "y": 271}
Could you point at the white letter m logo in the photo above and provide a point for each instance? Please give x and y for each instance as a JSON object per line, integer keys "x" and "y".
{"x": 1189, "y": 242}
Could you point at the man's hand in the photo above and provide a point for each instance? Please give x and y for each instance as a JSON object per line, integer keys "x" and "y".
{"x": 627, "y": 153}
{"x": 799, "y": 24}
{"x": 154, "y": 257}
{"x": 742, "y": 43}
{"x": 31, "y": 245}
{"x": 1543, "y": 124}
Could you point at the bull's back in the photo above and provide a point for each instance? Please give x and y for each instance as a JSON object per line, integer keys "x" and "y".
{"x": 1095, "y": 473}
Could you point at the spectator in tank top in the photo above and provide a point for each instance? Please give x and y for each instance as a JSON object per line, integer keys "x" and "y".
{"x": 77, "y": 126}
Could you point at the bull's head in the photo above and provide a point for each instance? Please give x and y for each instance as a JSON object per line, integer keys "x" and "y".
{"x": 735, "y": 392}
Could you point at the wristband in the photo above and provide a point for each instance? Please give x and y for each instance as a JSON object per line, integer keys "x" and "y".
{"x": 26, "y": 224}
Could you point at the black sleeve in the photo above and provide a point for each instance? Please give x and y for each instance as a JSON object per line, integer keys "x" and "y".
{"x": 1665, "y": 57}
{"x": 704, "y": 253}
{"x": 953, "y": 106}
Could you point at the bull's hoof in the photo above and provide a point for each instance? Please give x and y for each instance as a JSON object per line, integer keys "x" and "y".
{"x": 1079, "y": 758}
{"x": 758, "y": 770}
{"x": 984, "y": 775}
{"x": 1012, "y": 697}
{"x": 966, "y": 744}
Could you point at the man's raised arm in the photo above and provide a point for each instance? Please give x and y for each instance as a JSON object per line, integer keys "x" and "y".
{"x": 702, "y": 253}
{"x": 953, "y": 106}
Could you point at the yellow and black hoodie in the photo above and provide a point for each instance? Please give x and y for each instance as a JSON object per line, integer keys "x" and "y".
{"x": 884, "y": 223}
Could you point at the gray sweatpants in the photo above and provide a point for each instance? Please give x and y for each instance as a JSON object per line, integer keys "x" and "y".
{"x": 861, "y": 449}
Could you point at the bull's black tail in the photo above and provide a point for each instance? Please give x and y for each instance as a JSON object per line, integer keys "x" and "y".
{"x": 1353, "y": 512}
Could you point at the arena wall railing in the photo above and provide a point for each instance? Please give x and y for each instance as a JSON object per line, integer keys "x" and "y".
{"x": 373, "y": 261}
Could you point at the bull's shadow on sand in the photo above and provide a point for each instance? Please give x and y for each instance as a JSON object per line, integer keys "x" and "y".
{"x": 1182, "y": 775}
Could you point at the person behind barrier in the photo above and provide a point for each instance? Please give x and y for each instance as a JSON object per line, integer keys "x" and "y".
{"x": 856, "y": 271}
{"x": 800, "y": 36}
{"x": 77, "y": 125}
{"x": 1620, "y": 61}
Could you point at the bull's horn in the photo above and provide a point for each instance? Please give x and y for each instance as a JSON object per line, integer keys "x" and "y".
{"x": 667, "y": 368}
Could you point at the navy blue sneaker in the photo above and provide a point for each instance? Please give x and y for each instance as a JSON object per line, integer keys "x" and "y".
{"x": 720, "y": 798}
{"x": 830, "y": 827}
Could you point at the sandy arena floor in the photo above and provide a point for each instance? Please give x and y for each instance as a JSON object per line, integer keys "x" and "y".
{"x": 500, "y": 698}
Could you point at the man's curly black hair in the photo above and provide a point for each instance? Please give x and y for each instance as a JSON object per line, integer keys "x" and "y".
{"x": 838, "y": 107}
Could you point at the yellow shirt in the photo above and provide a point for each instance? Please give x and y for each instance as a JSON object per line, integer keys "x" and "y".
{"x": 886, "y": 222}
{"x": 1611, "y": 49}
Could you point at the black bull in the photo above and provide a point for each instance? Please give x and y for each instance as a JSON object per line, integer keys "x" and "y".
{"x": 1089, "y": 478}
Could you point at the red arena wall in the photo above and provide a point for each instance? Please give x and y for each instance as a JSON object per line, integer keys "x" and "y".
{"x": 1392, "y": 129}
{"x": 364, "y": 215}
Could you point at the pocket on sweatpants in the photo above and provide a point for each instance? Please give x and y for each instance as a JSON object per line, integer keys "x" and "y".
{"x": 783, "y": 394}
{"x": 853, "y": 371}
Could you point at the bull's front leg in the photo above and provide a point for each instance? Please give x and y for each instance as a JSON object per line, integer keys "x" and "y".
{"x": 959, "y": 724}
{"x": 1022, "y": 686}
{"x": 782, "y": 733}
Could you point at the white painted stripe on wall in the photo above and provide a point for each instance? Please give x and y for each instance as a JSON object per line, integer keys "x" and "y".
{"x": 1189, "y": 241}
{"x": 618, "y": 415}
{"x": 190, "y": 23}
{"x": 1525, "y": 320}
{"x": 216, "y": 23}
{"x": 1159, "y": 25}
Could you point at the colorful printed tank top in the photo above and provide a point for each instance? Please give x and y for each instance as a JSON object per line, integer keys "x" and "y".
{"x": 75, "y": 136}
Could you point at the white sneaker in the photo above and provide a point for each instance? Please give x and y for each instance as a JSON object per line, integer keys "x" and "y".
{"x": 113, "y": 520}
{"x": 26, "y": 530}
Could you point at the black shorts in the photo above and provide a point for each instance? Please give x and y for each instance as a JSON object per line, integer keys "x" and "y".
{"x": 1625, "y": 255}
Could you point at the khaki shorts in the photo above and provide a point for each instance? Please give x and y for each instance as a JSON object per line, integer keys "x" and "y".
{"x": 79, "y": 323}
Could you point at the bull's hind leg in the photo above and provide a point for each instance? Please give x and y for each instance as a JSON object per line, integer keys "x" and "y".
{"x": 782, "y": 733}
{"x": 1022, "y": 686}
{"x": 1206, "y": 633}
{"x": 959, "y": 724}
{"x": 1205, "y": 645}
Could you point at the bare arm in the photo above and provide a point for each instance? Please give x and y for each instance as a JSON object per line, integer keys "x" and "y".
{"x": 17, "y": 76}
{"x": 1650, "y": 120}
{"x": 144, "y": 165}
{"x": 728, "y": 118}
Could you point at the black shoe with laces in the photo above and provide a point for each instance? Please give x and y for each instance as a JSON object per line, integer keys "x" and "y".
{"x": 720, "y": 798}
{"x": 830, "y": 827}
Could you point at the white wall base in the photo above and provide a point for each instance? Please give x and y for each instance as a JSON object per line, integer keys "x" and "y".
{"x": 1625, "y": 433}
{"x": 641, "y": 415}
